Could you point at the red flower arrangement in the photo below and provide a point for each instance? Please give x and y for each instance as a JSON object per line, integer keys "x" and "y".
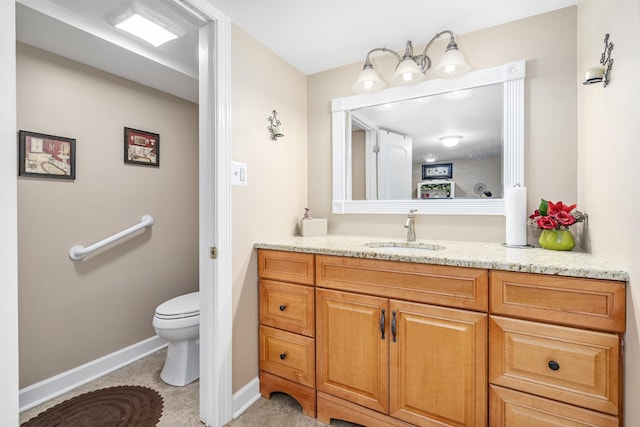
{"x": 555, "y": 216}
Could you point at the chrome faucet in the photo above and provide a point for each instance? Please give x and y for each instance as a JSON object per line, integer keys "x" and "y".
{"x": 410, "y": 225}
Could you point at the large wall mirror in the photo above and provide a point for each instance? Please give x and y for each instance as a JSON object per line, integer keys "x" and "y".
{"x": 441, "y": 147}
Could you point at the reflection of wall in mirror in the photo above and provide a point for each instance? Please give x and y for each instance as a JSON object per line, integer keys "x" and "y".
{"x": 468, "y": 172}
{"x": 358, "y": 178}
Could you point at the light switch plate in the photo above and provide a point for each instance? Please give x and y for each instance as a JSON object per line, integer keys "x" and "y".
{"x": 239, "y": 174}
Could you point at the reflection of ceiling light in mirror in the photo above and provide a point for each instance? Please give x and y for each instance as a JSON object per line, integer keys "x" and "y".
{"x": 430, "y": 158}
{"x": 421, "y": 100}
{"x": 458, "y": 94}
{"x": 145, "y": 24}
{"x": 450, "y": 140}
{"x": 386, "y": 107}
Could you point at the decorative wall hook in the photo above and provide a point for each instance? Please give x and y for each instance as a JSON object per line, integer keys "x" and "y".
{"x": 275, "y": 127}
{"x": 601, "y": 73}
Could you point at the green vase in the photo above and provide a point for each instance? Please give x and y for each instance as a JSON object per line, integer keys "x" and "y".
{"x": 557, "y": 240}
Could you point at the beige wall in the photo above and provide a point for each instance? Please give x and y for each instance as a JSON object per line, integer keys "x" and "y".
{"x": 75, "y": 312}
{"x": 608, "y": 175}
{"x": 276, "y": 194}
{"x": 548, "y": 43}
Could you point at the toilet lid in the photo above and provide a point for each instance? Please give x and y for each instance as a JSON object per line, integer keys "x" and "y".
{"x": 182, "y": 306}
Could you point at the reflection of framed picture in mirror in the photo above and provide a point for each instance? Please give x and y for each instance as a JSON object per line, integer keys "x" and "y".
{"x": 437, "y": 171}
{"x": 46, "y": 156}
{"x": 141, "y": 147}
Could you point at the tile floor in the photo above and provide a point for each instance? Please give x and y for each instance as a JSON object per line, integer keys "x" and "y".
{"x": 181, "y": 407}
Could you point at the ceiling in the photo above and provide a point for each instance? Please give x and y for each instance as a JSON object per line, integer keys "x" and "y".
{"x": 319, "y": 35}
{"x": 312, "y": 36}
{"x": 79, "y": 30}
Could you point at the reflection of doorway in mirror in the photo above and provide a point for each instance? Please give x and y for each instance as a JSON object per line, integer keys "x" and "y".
{"x": 358, "y": 170}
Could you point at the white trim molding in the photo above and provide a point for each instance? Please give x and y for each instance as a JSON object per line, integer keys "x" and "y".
{"x": 45, "y": 390}
{"x": 245, "y": 397}
{"x": 8, "y": 219}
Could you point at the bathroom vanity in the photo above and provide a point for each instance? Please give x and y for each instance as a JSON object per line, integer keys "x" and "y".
{"x": 445, "y": 333}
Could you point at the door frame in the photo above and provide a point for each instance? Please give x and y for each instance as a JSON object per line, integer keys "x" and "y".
{"x": 8, "y": 218}
{"x": 216, "y": 322}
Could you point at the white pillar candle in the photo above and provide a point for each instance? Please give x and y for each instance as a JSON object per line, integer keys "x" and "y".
{"x": 516, "y": 213}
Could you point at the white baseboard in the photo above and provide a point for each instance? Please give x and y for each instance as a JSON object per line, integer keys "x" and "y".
{"x": 246, "y": 397}
{"x": 38, "y": 393}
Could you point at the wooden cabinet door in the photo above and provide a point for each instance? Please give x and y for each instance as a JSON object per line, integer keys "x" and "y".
{"x": 352, "y": 353}
{"x": 438, "y": 365}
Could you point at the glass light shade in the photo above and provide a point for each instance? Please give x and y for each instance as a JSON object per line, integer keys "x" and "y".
{"x": 452, "y": 64}
{"x": 368, "y": 81}
{"x": 407, "y": 73}
{"x": 451, "y": 140}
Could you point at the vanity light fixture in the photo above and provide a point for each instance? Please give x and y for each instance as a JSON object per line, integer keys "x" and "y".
{"x": 275, "y": 127}
{"x": 411, "y": 69}
{"x": 430, "y": 158}
{"x": 601, "y": 73}
{"x": 145, "y": 24}
{"x": 450, "y": 140}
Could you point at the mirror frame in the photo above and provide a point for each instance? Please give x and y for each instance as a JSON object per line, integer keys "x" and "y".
{"x": 512, "y": 77}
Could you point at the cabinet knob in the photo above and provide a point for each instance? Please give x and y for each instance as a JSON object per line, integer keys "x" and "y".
{"x": 283, "y": 307}
{"x": 553, "y": 365}
{"x": 283, "y": 356}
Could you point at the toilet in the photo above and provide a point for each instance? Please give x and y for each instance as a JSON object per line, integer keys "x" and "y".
{"x": 178, "y": 321}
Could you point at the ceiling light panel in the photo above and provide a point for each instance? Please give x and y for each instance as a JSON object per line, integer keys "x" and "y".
{"x": 145, "y": 24}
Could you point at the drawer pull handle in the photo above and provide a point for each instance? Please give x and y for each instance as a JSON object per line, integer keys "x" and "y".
{"x": 382, "y": 324}
{"x": 553, "y": 365}
{"x": 283, "y": 356}
{"x": 283, "y": 307}
{"x": 393, "y": 325}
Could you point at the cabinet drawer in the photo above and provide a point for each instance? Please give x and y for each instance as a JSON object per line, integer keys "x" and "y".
{"x": 286, "y": 266}
{"x": 570, "y": 365}
{"x": 596, "y": 304}
{"x": 459, "y": 287}
{"x": 509, "y": 408}
{"x": 287, "y": 355}
{"x": 288, "y": 307}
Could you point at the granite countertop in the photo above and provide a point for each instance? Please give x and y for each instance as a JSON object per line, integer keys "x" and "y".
{"x": 462, "y": 254}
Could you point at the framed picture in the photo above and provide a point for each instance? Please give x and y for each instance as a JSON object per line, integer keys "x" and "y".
{"x": 46, "y": 156}
{"x": 141, "y": 147}
{"x": 437, "y": 171}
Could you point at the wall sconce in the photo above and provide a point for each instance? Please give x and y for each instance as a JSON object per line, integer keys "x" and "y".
{"x": 601, "y": 74}
{"x": 275, "y": 127}
{"x": 411, "y": 69}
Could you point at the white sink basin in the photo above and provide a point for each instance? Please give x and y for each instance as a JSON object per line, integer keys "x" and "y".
{"x": 404, "y": 246}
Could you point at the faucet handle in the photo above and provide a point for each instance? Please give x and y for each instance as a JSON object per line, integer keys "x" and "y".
{"x": 412, "y": 212}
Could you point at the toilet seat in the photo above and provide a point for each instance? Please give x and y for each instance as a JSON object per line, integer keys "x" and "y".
{"x": 181, "y": 307}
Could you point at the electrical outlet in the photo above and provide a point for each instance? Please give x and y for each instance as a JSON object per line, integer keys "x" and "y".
{"x": 239, "y": 174}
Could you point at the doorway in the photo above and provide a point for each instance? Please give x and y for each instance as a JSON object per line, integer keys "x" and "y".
{"x": 214, "y": 195}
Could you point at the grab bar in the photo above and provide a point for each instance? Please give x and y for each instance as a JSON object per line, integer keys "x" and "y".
{"x": 79, "y": 252}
